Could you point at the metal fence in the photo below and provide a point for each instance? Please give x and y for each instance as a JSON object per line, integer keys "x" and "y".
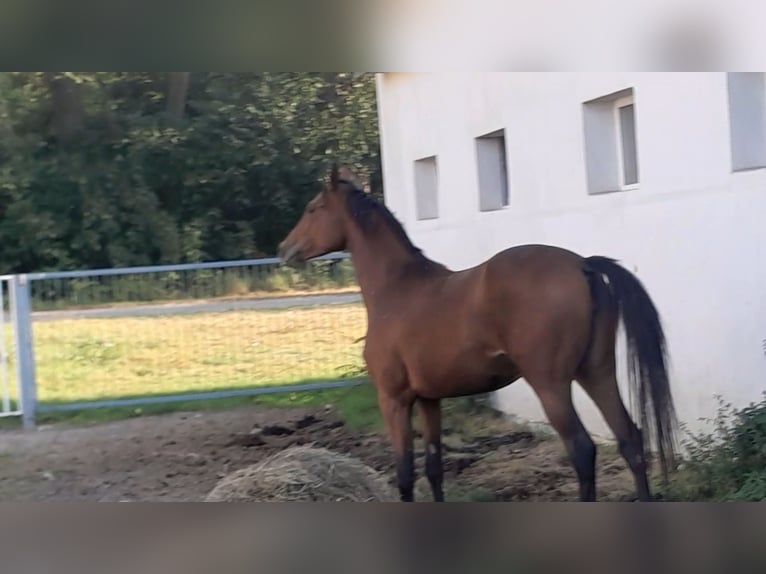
{"x": 9, "y": 388}
{"x": 144, "y": 335}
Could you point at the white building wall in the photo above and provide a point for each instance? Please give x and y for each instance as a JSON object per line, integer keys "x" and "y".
{"x": 693, "y": 232}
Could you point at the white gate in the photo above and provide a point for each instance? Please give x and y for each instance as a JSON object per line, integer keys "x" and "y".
{"x": 17, "y": 390}
{"x": 18, "y": 381}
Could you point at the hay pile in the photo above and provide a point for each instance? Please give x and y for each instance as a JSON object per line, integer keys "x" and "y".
{"x": 304, "y": 473}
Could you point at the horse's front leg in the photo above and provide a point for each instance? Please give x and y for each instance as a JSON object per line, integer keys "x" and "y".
{"x": 397, "y": 414}
{"x": 431, "y": 419}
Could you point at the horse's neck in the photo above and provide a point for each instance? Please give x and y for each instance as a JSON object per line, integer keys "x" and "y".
{"x": 383, "y": 264}
{"x": 378, "y": 263}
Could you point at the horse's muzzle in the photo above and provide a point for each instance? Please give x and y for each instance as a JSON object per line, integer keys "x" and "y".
{"x": 290, "y": 254}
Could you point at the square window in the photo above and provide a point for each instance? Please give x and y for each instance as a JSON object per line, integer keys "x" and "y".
{"x": 628, "y": 156}
{"x": 427, "y": 188}
{"x": 747, "y": 119}
{"x": 493, "y": 171}
{"x": 611, "y": 145}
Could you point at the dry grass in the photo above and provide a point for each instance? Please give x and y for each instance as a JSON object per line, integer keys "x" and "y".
{"x": 304, "y": 473}
{"x": 88, "y": 359}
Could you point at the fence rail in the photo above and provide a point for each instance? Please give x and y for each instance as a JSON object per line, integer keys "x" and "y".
{"x": 176, "y": 333}
{"x": 252, "y": 277}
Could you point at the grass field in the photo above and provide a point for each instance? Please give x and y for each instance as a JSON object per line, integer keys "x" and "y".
{"x": 356, "y": 405}
{"x": 92, "y": 359}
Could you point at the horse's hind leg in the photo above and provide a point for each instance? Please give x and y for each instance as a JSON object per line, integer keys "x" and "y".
{"x": 597, "y": 376}
{"x": 601, "y": 385}
{"x": 556, "y": 400}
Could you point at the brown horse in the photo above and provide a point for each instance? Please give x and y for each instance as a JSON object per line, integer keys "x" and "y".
{"x": 536, "y": 312}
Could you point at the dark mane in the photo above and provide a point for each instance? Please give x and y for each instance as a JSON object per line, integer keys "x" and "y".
{"x": 364, "y": 209}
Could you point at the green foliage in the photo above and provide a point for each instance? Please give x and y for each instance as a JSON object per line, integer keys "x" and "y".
{"x": 728, "y": 463}
{"x": 130, "y": 187}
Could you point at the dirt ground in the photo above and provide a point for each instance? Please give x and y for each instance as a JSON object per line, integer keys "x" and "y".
{"x": 181, "y": 456}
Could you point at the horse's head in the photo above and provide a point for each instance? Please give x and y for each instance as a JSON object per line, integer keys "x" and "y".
{"x": 321, "y": 229}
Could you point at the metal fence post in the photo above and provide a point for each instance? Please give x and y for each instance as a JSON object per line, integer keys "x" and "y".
{"x": 21, "y": 313}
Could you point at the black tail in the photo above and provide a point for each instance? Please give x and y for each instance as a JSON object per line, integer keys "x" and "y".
{"x": 647, "y": 355}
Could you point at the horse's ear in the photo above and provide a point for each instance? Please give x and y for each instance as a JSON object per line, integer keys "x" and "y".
{"x": 334, "y": 177}
{"x": 347, "y": 174}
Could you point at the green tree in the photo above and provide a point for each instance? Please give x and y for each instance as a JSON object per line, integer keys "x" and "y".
{"x": 127, "y": 168}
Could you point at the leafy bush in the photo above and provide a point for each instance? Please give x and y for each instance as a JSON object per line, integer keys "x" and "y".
{"x": 131, "y": 186}
{"x": 728, "y": 463}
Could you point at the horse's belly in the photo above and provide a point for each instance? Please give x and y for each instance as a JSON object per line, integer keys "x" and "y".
{"x": 470, "y": 373}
